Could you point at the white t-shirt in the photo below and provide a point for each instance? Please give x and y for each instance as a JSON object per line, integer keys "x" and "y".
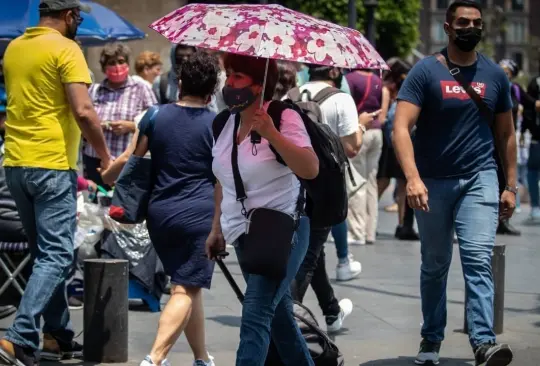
{"x": 339, "y": 111}
{"x": 267, "y": 182}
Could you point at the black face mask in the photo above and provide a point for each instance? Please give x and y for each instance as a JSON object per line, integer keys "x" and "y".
{"x": 467, "y": 38}
{"x": 72, "y": 31}
{"x": 238, "y": 99}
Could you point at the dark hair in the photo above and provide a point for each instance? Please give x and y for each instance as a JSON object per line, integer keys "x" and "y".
{"x": 199, "y": 75}
{"x": 111, "y": 50}
{"x": 451, "y": 11}
{"x": 319, "y": 73}
{"x": 255, "y": 68}
{"x": 287, "y": 78}
{"x": 53, "y": 14}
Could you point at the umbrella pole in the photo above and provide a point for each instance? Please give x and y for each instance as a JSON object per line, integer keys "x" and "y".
{"x": 264, "y": 82}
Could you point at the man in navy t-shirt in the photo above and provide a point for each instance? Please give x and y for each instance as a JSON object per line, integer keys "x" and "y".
{"x": 452, "y": 177}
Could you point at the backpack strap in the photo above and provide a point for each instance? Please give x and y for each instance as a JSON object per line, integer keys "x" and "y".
{"x": 219, "y": 123}
{"x": 324, "y": 94}
{"x": 294, "y": 95}
{"x": 275, "y": 110}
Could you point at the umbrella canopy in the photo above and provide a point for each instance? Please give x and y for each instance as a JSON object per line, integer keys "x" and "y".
{"x": 269, "y": 31}
{"x": 102, "y": 25}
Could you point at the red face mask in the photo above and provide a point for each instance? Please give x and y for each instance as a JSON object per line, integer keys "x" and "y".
{"x": 117, "y": 73}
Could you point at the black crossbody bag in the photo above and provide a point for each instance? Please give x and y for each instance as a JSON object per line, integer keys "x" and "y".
{"x": 267, "y": 242}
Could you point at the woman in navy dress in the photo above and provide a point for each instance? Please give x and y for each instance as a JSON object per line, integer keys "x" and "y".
{"x": 181, "y": 205}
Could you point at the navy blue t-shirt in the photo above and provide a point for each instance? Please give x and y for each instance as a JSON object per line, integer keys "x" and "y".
{"x": 452, "y": 138}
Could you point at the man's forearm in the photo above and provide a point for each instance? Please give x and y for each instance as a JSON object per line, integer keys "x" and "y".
{"x": 507, "y": 148}
{"x": 403, "y": 147}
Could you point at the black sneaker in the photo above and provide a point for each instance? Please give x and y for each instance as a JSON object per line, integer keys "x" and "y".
{"x": 493, "y": 355}
{"x": 15, "y": 355}
{"x": 428, "y": 354}
{"x": 55, "y": 349}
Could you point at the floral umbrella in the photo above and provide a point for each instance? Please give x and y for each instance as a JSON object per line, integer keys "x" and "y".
{"x": 269, "y": 31}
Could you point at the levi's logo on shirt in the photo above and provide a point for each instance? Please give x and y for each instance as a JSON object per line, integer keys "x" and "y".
{"x": 452, "y": 90}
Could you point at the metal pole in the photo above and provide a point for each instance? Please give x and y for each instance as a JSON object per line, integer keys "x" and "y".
{"x": 498, "y": 268}
{"x": 352, "y": 14}
{"x": 370, "y": 6}
{"x": 106, "y": 310}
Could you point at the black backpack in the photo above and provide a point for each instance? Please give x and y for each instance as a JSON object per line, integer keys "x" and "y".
{"x": 327, "y": 199}
{"x": 323, "y": 351}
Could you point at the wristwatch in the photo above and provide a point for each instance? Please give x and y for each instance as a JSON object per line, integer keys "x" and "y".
{"x": 362, "y": 127}
{"x": 514, "y": 190}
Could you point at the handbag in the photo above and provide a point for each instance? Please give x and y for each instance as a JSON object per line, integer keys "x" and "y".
{"x": 134, "y": 185}
{"x": 267, "y": 242}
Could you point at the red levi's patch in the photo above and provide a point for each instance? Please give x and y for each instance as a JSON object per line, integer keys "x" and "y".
{"x": 452, "y": 90}
{"x": 116, "y": 212}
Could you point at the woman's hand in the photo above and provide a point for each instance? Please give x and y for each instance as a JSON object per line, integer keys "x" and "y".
{"x": 263, "y": 124}
{"x": 215, "y": 244}
{"x": 366, "y": 118}
{"x": 122, "y": 127}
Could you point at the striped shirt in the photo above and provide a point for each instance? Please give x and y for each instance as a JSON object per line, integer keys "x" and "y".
{"x": 122, "y": 104}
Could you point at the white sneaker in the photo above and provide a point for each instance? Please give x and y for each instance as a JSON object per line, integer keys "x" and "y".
{"x": 356, "y": 242}
{"x": 535, "y": 214}
{"x": 148, "y": 362}
{"x": 204, "y": 363}
{"x": 335, "y": 322}
{"x": 348, "y": 271}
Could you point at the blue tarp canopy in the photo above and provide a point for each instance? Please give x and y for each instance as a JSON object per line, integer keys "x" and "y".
{"x": 102, "y": 25}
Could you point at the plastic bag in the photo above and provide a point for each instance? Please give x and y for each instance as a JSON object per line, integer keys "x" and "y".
{"x": 134, "y": 240}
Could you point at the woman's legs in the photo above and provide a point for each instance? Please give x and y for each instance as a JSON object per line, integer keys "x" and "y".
{"x": 175, "y": 316}
{"x": 195, "y": 330}
{"x": 372, "y": 197}
{"x": 401, "y": 197}
{"x": 266, "y": 305}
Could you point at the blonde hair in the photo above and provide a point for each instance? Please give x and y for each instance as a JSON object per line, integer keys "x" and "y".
{"x": 147, "y": 59}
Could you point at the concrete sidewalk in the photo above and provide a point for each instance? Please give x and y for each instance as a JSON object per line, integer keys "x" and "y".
{"x": 383, "y": 329}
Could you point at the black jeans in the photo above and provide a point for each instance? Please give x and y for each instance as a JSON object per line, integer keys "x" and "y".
{"x": 313, "y": 271}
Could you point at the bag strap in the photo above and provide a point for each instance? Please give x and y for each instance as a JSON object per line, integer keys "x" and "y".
{"x": 324, "y": 94}
{"x": 294, "y": 95}
{"x": 485, "y": 111}
{"x": 366, "y": 92}
{"x": 238, "y": 183}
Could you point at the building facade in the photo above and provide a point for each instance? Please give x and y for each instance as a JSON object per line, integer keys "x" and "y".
{"x": 511, "y": 29}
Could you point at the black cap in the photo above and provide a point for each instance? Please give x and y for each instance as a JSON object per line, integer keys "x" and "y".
{"x": 58, "y": 5}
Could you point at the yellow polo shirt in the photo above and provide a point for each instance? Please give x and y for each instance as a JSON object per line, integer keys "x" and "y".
{"x": 41, "y": 131}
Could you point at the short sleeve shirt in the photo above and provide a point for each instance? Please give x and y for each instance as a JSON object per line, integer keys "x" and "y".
{"x": 267, "y": 182}
{"x": 452, "y": 138}
{"x": 41, "y": 131}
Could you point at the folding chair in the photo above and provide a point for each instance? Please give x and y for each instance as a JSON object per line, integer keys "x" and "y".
{"x": 11, "y": 270}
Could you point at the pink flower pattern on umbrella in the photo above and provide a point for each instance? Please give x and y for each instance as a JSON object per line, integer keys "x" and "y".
{"x": 270, "y": 31}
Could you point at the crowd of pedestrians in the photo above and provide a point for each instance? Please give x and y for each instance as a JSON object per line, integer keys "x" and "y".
{"x": 443, "y": 129}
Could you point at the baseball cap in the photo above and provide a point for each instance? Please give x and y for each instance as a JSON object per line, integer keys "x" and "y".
{"x": 58, "y": 5}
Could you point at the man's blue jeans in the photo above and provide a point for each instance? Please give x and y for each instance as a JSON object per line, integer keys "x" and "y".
{"x": 46, "y": 201}
{"x": 533, "y": 173}
{"x": 267, "y": 309}
{"x": 470, "y": 206}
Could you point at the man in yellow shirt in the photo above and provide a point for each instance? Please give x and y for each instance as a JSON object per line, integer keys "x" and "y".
{"x": 48, "y": 107}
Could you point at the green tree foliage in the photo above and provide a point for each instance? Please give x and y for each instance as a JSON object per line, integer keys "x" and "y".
{"x": 397, "y": 21}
